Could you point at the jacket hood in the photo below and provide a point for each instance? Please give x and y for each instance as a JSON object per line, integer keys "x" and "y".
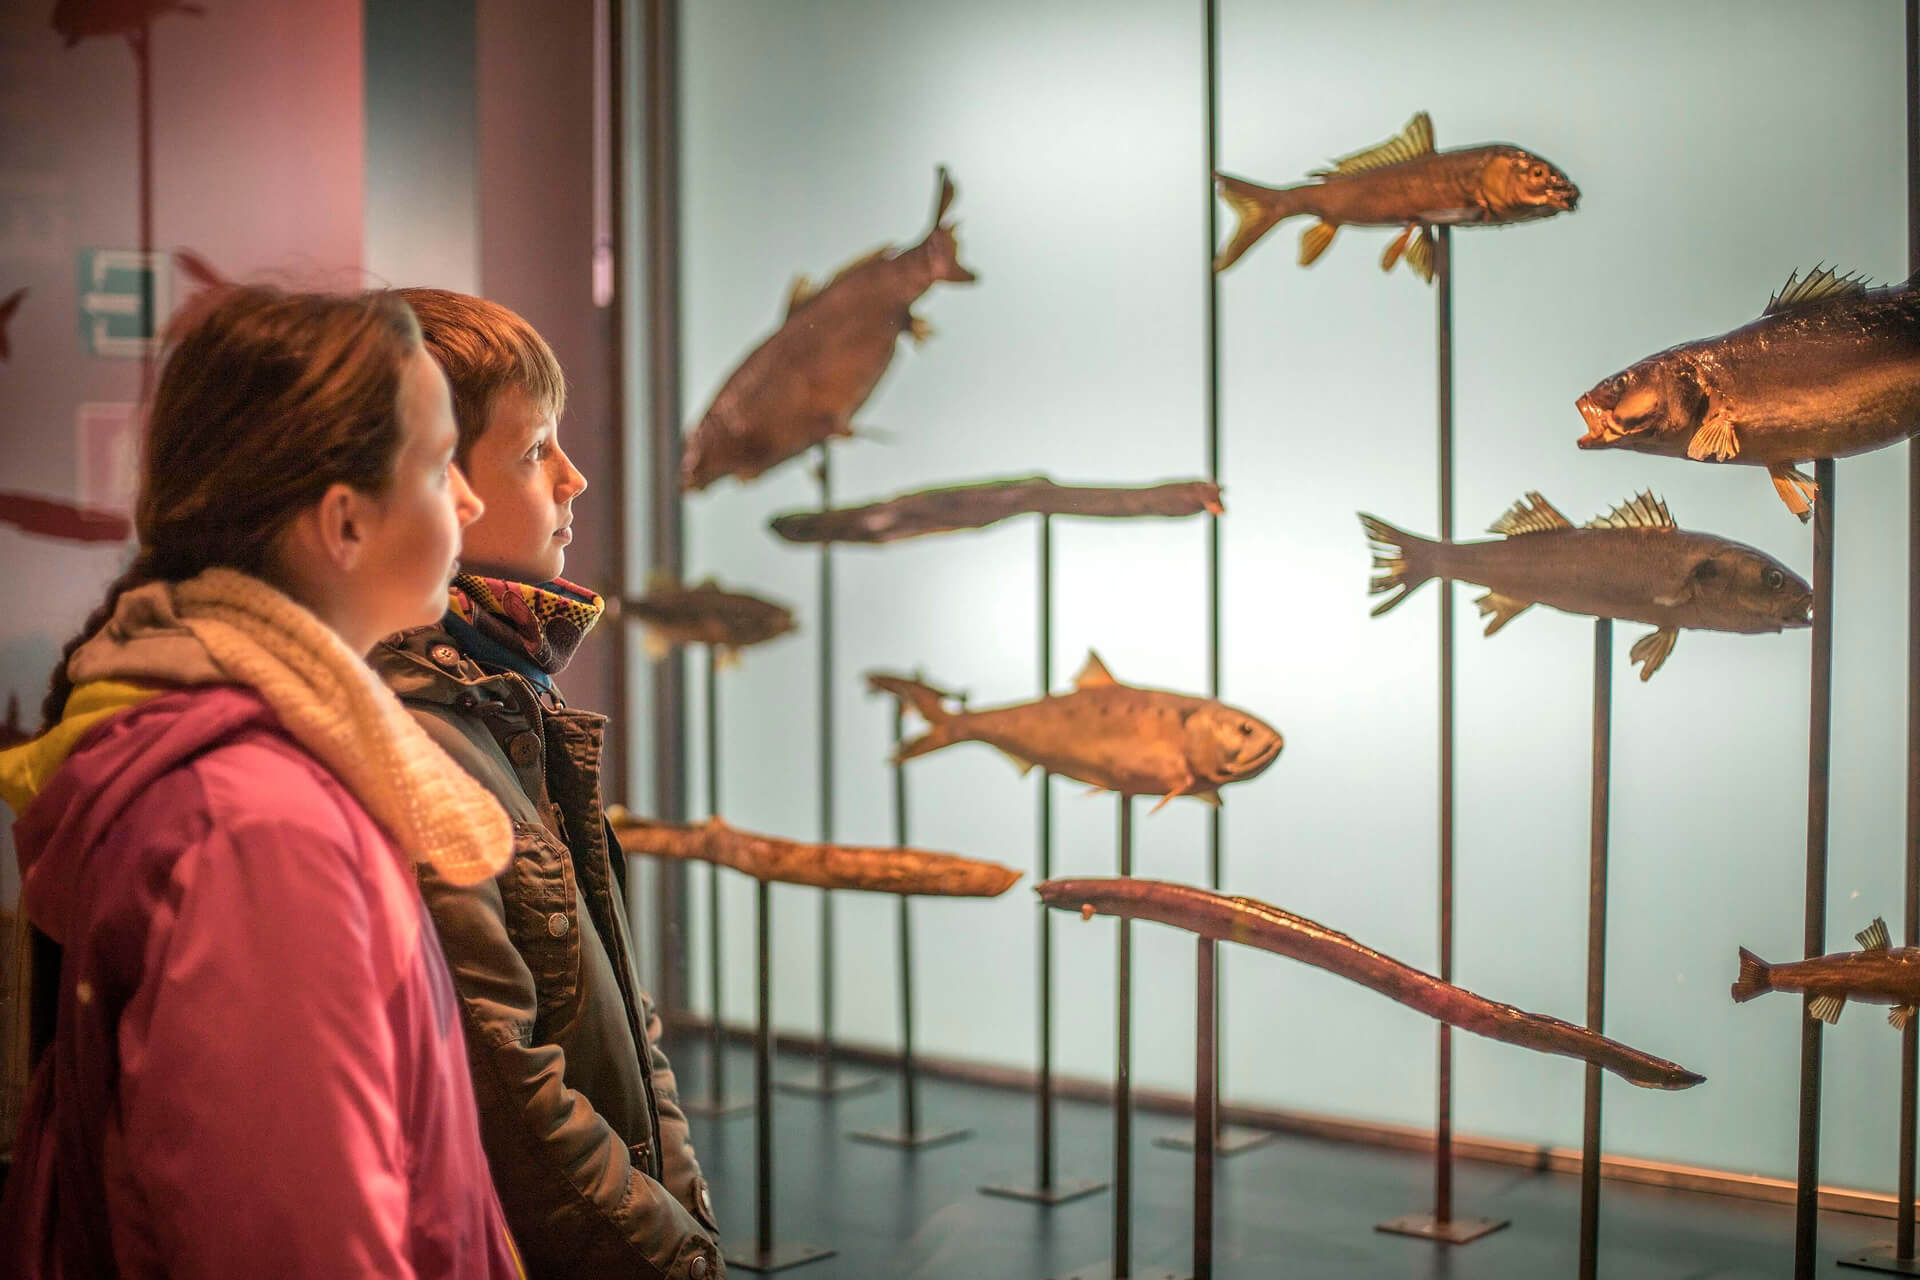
{"x": 118, "y": 755}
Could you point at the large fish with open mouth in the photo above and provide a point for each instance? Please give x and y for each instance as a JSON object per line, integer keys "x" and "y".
{"x": 1256, "y": 924}
{"x": 1634, "y": 564}
{"x": 1878, "y": 973}
{"x": 1111, "y": 736}
{"x": 1403, "y": 182}
{"x": 1830, "y": 369}
{"x": 803, "y": 385}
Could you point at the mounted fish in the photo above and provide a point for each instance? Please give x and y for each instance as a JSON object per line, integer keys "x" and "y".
{"x": 975, "y": 506}
{"x": 51, "y": 518}
{"x": 1635, "y": 565}
{"x": 1830, "y": 369}
{"x": 7, "y": 311}
{"x": 1878, "y": 973}
{"x": 1256, "y": 924}
{"x": 1111, "y": 736}
{"x": 802, "y": 386}
{"x": 672, "y": 616}
{"x": 890, "y": 869}
{"x": 1402, "y": 183}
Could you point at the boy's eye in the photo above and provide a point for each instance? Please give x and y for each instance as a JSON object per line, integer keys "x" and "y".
{"x": 538, "y": 451}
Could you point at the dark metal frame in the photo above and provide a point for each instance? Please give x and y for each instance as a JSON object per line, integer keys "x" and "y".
{"x": 1598, "y": 836}
{"x": 717, "y": 1103}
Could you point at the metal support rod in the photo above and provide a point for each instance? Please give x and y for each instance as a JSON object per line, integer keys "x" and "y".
{"x": 1596, "y": 938}
{"x": 717, "y": 1071}
{"x": 1819, "y": 753}
{"x": 909, "y": 1074}
{"x": 140, "y": 41}
{"x": 1044, "y": 1156}
{"x": 1443, "y": 1110}
{"x": 1206, "y": 1104}
{"x": 1910, "y": 1036}
{"x": 826, "y": 772}
{"x": 1123, "y": 1068}
{"x": 763, "y": 1070}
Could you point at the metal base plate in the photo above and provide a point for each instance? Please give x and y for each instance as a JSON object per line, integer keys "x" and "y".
{"x": 1103, "y": 1270}
{"x": 825, "y": 1084}
{"x": 1880, "y": 1258}
{"x": 1232, "y": 1140}
{"x": 1453, "y": 1231}
{"x": 910, "y": 1141}
{"x": 784, "y": 1254}
{"x": 717, "y": 1108}
{"x": 1060, "y": 1192}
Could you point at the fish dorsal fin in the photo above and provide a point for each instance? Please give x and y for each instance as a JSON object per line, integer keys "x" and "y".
{"x": 661, "y": 580}
{"x": 1874, "y": 936}
{"x": 1532, "y": 514}
{"x": 1820, "y": 284}
{"x": 858, "y": 263}
{"x": 800, "y": 293}
{"x": 1094, "y": 674}
{"x": 1411, "y": 142}
{"x": 1643, "y": 512}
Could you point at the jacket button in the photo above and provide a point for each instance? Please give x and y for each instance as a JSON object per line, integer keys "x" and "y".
{"x": 523, "y": 749}
{"x": 558, "y": 924}
{"x": 446, "y": 655}
{"x": 699, "y": 1267}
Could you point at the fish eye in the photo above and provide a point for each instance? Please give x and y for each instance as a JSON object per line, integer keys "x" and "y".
{"x": 1706, "y": 571}
{"x": 1539, "y": 172}
{"x": 1774, "y": 579}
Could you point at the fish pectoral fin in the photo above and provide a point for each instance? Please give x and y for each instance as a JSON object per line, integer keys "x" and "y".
{"x": 1391, "y": 258}
{"x": 1714, "y": 442}
{"x": 1420, "y": 254}
{"x": 1210, "y": 798}
{"x": 1874, "y": 936}
{"x": 1165, "y": 800}
{"x": 1095, "y": 791}
{"x": 1827, "y": 1008}
{"x": 1899, "y": 1016}
{"x": 1651, "y": 650}
{"x": 1314, "y": 241}
{"x": 1503, "y": 609}
{"x": 918, "y": 329}
{"x": 1795, "y": 488}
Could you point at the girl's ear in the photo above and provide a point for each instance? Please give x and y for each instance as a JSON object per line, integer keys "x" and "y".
{"x": 332, "y": 533}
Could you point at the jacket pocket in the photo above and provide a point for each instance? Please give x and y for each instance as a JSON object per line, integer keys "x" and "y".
{"x": 543, "y": 920}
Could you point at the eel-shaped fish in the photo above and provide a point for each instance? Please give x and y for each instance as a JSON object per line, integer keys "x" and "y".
{"x": 818, "y": 866}
{"x": 54, "y": 519}
{"x": 1403, "y": 182}
{"x": 1878, "y": 973}
{"x": 1634, "y": 564}
{"x": 1257, "y": 924}
{"x": 1830, "y": 369}
{"x": 1111, "y": 736}
{"x": 975, "y": 506}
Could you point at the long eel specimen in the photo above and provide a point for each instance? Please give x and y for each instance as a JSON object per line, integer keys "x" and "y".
{"x": 1256, "y": 924}
{"x": 975, "y": 506}
{"x": 819, "y": 866}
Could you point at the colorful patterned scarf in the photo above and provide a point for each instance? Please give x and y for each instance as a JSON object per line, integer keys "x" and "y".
{"x": 545, "y": 623}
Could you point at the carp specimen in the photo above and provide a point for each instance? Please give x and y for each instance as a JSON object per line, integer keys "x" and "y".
{"x": 1111, "y": 736}
{"x": 818, "y": 866}
{"x": 803, "y": 385}
{"x": 975, "y": 506}
{"x": 1635, "y": 565}
{"x": 1830, "y": 369}
{"x": 672, "y": 616}
{"x": 1878, "y": 973}
{"x": 1403, "y": 183}
{"x": 1256, "y": 924}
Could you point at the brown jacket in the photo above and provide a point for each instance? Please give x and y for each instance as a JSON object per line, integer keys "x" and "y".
{"x": 578, "y": 1110}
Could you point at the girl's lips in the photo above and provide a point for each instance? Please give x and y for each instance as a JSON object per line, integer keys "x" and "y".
{"x": 564, "y": 535}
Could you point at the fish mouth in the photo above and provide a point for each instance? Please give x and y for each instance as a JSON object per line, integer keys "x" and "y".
{"x": 1800, "y": 614}
{"x": 1602, "y": 428}
{"x": 1564, "y": 196}
{"x": 1267, "y": 756}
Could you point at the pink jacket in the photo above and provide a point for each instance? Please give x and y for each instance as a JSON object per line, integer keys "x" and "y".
{"x": 258, "y": 1066}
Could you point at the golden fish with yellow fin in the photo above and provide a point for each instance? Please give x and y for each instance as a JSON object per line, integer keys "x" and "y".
{"x": 1403, "y": 183}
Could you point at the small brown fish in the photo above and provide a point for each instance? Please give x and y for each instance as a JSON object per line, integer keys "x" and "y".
{"x": 1404, "y": 183}
{"x": 63, "y": 520}
{"x": 975, "y": 506}
{"x": 1111, "y": 736}
{"x": 803, "y": 385}
{"x": 7, "y": 311}
{"x": 1830, "y": 369}
{"x": 1878, "y": 973}
{"x": 1256, "y": 924}
{"x": 672, "y": 616}
{"x": 887, "y": 869}
{"x": 1634, "y": 564}
{"x": 77, "y": 19}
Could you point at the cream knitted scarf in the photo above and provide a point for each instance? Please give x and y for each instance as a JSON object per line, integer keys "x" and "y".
{"x": 331, "y": 703}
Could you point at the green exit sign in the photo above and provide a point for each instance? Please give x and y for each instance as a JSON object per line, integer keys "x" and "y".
{"x": 123, "y": 296}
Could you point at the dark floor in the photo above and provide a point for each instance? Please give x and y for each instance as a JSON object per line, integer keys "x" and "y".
{"x": 1297, "y": 1208}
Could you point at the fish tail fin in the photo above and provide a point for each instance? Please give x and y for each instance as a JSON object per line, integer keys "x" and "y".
{"x": 942, "y": 249}
{"x": 1258, "y": 208}
{"x": 1756, "y": 977}
{"x": 926, "y": 702}
{"x": 1402, "y": 562}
